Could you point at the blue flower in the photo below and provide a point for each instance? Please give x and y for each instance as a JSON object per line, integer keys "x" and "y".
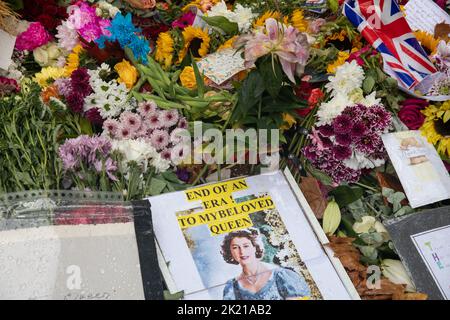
{"x": 140, "y": 48}
{"x": 123, "y": 31}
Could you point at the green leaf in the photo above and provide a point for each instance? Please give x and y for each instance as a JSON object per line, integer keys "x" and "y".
{"x": 368, "y": 84}
{"x": 272, "y": 75}
{"x": 345, "y": 195}
{"x": 25, "y": 178}
{"x": 333, "y": 5}
{"x": 157, "y": 186}
{"x": 198, "y": 79}
{"x": 319, "y": 175}
{"x": 86, "y": 127}
{"x": 175, "y": 296}
{"x": 250, "y": 93}
{"x": 230, "y": 28}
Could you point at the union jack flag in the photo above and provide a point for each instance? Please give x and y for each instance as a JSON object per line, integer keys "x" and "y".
{"x": 382, "y": 24}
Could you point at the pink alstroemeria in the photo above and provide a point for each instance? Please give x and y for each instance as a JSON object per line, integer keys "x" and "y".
{"x": 286, "y": 42}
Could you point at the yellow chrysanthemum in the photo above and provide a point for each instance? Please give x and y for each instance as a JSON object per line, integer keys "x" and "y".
{"x": 436, "y": 129}
{"x": 127, "y": 73}
{"x": 428, "y": 41}
{"x": 228, "y": 44}
{"x": 48, "y": 75}
{"x": 164, "y": 49}
{"x": 195, "y": 39}
{"x": 299, "y": 21}
{"x": 342, "y": 57}
{"x": 187, "y": 78}
{"x": 261, "y": 21}
{"x": 73, "y": 60}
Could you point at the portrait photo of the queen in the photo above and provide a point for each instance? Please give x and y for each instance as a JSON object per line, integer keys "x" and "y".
{"x": 258, "y": 280}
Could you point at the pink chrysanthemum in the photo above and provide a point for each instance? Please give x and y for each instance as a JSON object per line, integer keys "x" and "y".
{"x": 159, "y": 139}
{"x": 147, "y": 108}
{"x": 183, "y": 124}
{"x": 131, "y": 120}
{"x": 124, "y": 133}
{"x": 169, "y": 118}
{"x": 111, "y": 126}
{"x": 166, "y": 154}
{"x": 178, "y": 153}
{"x": 34, "y": 37}
{"x": 154, "y": 121}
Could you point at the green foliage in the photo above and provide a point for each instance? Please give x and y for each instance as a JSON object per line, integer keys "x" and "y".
{"x": 29, "y": 139}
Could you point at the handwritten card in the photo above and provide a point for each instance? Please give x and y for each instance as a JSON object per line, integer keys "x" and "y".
{"x": 434, "y": 248}
{"x": 425, "y": 15}
{"x": 222, "y": 65}
{"x": 8, "y": 42}
{"x": 419, "y": 167}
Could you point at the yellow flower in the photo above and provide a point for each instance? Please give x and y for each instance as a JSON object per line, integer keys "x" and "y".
{"x": 127, "y": 73}
{"x": 73, "y": 60}
{"x": 196, "y": 40}
{"x": 187, "y": 78}
{"x": 428, "y": 41}
{"x": 342, "y": 57}
{"x": 48, "y": 75}
{"x": 228, "y": 44}
{"x": 260, "y": 22}
{"x": 299, "y": 21}
{"x": 436, "y": 129}
{"x": 164, "y": 49}
{"x": 289, "y": 121}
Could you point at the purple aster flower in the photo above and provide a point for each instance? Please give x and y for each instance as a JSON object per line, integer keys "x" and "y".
{"x": 342, "y": 124}
{"x": 124, "y": 133}
{"x": 183, "y": 175}
{"x": 342, "y": 152}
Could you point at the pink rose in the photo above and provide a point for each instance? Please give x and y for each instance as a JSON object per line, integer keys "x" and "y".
{"x": 410, "y": 113}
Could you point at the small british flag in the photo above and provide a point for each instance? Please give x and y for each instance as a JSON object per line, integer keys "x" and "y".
{"x": 383, "y": 24}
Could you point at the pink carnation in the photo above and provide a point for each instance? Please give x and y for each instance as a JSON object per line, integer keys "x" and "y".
{"x": 34, "y": 37}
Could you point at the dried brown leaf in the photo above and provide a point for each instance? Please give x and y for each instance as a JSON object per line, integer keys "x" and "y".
{"x": 311, "y": 189}
{"x": 441, "y": 31}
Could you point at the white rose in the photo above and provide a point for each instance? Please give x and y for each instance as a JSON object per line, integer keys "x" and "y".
{"x": 41, "y": 56}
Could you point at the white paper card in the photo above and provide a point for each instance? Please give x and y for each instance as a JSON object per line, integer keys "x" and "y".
{"x": 195, "y": 255}
{"x": 8, "y": 42}
{"x": 84, "y": 262}
{"x": 434, "y": 248}
{"x": 419, "y": 167}
{"x": 425, "y": 15}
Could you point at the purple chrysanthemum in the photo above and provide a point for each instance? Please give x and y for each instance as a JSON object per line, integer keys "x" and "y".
{"x": 342, "y": 152}
{"x": 146, "y": 108}
{"x": 93, "y": 115}
{"x": 169, "y": 118}
{"x": 131, "y": 120}
{"x": 359, "y": 129}
{"x": 344, "y": 139}
{"x": 342, "y": 124}
{"x": 111, "y": 126}
{"x": 75, "y": 102}
{"x": 326, "y": 130}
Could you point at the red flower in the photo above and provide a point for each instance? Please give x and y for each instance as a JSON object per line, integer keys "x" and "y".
{"x": 316, "y": 97}
{"x": 410, "y": 113}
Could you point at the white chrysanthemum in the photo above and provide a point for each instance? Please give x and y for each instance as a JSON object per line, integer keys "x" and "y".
{"x": 371, "y": 100}
{"x": 331, "y": 109}
{"x": 243, "y": 17}
{"x": 160, "y": 164}
{"x": 349, "y": 77}
{"x": 359, "y": 161}
{"x": 220, "y": 9}
{"x": 137, "y": 150}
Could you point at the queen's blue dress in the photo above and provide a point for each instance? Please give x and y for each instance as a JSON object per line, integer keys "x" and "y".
{"x": 282, "y": 284}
